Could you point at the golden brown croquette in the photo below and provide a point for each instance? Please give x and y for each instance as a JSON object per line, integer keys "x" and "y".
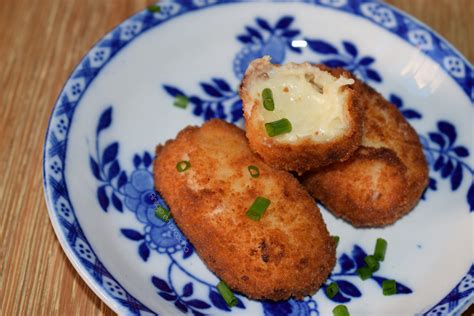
{"x": 385, "y": 177}
{"x": 287, "y": 253}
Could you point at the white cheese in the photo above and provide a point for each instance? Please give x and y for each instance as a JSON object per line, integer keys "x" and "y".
{"x": 311, "y": 99}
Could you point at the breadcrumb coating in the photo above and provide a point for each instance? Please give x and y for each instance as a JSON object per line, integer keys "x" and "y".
{"x": 287, "y": 253}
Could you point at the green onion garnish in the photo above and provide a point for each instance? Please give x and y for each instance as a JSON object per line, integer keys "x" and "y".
{"x": 340, "y": 310}
{"x": 332, "y": 289}
{"x": 364, "y": 273}
{"x": 267, "y": 93}
{"x": 258, "y": 207}
{"x": 336, "y": 239}
{"x": 183, "y": 165}
{"x": 279, "y": 127}
{"x": 372, "y": 263}
{"x": 181, "y": 101}
{"x": 254, "y": 172}
{"x": 154, "y": 8}
{"x": 163, "y": 213}
{"x": 389, "y": 287}
{"x": 269, "y": 104}
{"x": 226, "y": 294}
{"x": 267, "y": 97}
{"x": 380, "y": 249}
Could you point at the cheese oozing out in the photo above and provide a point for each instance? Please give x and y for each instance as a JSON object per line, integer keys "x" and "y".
{"x": 310, "y": 98}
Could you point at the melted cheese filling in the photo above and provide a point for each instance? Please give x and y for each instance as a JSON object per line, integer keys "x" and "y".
{"x": 311, "y": 99}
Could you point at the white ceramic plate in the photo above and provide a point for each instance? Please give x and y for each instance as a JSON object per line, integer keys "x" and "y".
{"x": 118, "y": 104}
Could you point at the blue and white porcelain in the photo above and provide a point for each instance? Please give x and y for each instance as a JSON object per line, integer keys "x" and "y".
{"x": 118, "y": 104}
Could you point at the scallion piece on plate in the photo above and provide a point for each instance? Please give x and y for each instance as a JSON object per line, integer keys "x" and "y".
{"x": 267, "y": 97}
{"x": 389, "y": 287}
{"x": 181, "y": 101}
{"x": 340, "y": 310}
{"x": 258, "y": 207}
{"x": 336, "y": 239}
{"x": 163, "y": 213}
{"x": 332, "y": 289}
{"x": 372, "y": 263}
{"x": 154, "y": 8}
{"x": 380, "y": 249}
{"x": 279, "y": 127}
{"x": 254, "y": 171}
{"x": 227, "y": 294}
{"x": 183, "y": 165}
{"x": 364, "y": 272}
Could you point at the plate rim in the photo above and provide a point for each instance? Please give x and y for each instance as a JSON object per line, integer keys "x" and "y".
{"x": 99, "y": 289}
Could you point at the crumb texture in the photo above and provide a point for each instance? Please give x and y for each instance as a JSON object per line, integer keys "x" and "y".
{"x": 288, "y": 253}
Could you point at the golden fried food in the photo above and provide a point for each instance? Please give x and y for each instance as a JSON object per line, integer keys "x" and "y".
{"x": 385, "y": 177}
{"x": 319, "y": 103}
{"x": 287, "y": 253}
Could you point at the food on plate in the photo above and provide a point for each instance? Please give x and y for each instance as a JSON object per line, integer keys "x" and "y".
{"x": 300, "y": 117}
{"x": 384, "y": 179}
{"x": 254, "y": 226}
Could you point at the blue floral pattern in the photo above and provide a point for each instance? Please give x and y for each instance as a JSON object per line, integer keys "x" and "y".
{"x": 219, "y": 97}
{"x": 183, "y": 301}
{"x": 111, "y": 192}
{"x": 455, "y": 299}
{"x": 348, "y": 58}
{"x": 407, "y": 113}
{"x": 448, "y": 159}
{"x": 135, "y": 191}
{"x": 348, "y": 266}
{"x": 221, "y": 100}
{"x": 265, "y": 39}
{"x": 291, "y": 307}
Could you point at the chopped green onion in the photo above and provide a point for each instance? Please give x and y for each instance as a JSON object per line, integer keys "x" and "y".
{"x": 372, "y": 263}
{"x": 279, "y": 127}
{"x": 332, "y": 289}
{"x": 154, "y": 8}
{"x": 389, "y": 287}
{"x": 380, "y": 249}
{"x": 336, "y": 239}
{"x": 227, "y": 294}
{"x": 183, "y": 165}
{"x": 163, "y": 213}
{"x": 340, "y": 310}
{"x": 258, "y": 207}
{"x": 364, "y": 273}
{"x": 267, "y": 93}
{"x": 267, "y": 97}
{"x": 269, "y": 104}
{"x": 181, "y": 101}
{"x": 254, "y": 172}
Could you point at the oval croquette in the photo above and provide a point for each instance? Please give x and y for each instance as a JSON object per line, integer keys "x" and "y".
{"x": 287, "y": 253}
{"x": 385, "y": 177}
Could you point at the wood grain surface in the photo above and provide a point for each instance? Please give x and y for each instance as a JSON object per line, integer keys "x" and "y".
{"x": 41, "y": 41}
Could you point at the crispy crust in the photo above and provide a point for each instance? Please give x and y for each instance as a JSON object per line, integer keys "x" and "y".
{"x": 384, "y": 179}
{"x": 288, "y": 253}
{"x": 306, "y": 154}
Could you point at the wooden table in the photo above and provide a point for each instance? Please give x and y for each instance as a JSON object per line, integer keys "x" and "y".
{"x": 40, "y": 43}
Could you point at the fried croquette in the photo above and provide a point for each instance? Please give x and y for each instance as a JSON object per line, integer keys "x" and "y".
{"x": 320, "y": 105}
{"x": 287, "y": 253}
{"x": 385, "y": 177}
